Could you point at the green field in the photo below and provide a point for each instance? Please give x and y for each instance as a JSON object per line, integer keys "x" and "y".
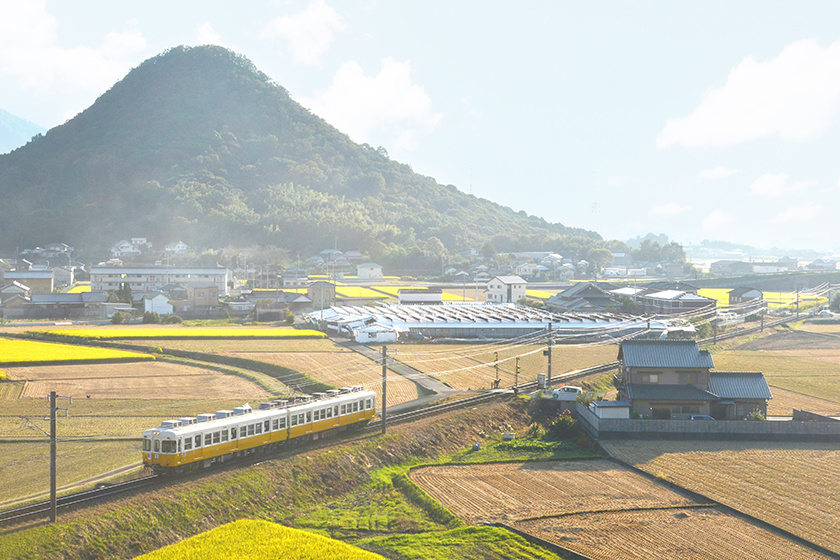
{"x": 27, "y": 352}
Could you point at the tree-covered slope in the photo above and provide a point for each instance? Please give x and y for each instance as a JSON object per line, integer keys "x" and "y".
{"x": 197, "y": 144}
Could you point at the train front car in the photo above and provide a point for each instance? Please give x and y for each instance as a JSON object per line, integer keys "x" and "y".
{"x": 160, "y": 447}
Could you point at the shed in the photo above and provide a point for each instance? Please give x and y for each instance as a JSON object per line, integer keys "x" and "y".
{"x": 610, "y": 409}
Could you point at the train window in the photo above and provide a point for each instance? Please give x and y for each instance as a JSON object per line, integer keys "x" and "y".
{"x": 316, "y": 415}
{"x": 250, "y": 429}
{"x": 208, "y": 439}
{"x": 258, "y": 427}
{"x": 242, "y": 431}
{"x": 275, "y": 424}
{"x": 147, "y": 444}
{"x": 282, "y": 423}
{"x": 233, "y": 433}
{"x": 367, "y": 404}
{"x": 355, "y": 406}
{"x": 301, "y": 419}
{"x": 167, "y": 447}
{"x": 265, "y": 426}
{"x": 197, "y": 442}
{"x": 188, "y": 444}
{"x": 329, "y": 412}
{"x": 224, "y": 435}
{"x": 343, "y": 409}
{"x": 308, "y": 417}
{"x": 157, "y": 445}
{"x": 335, "y": 409}
{"x": 216, "y": 436}
{"x": 179, "y": 446}
{"x": 294, "y": 419}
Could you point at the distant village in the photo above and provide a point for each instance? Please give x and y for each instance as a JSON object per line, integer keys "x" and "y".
{"x": 136, "y": 279}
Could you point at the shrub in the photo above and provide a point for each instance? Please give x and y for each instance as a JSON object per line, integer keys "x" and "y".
{"x": 564, "y": 427}
{"x": 755, "y": 415}
{"x": 118, "y": 318}
{"x": 171, "y": 319}
{"x": 288, "y": 317}
{"x": 150, "y": 317}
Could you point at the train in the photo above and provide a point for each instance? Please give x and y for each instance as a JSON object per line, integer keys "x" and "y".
{"x": 197, "y": 442}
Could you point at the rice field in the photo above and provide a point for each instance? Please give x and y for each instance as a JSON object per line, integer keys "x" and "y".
{"x": 256, "y": 540}
{"x": 471, "y": 366}
{"x": 358, "y": 292}
{"x": 539, "y": 294}
{"x": 684, "y": 533}
{"x": 176, "y": 331}
{"x": 343, "y": 369}
{"x": 790, "y": 485}
{"x": 21, "y": 352}
{"x": 148, "y": 380}
{"x": 773, "y": 299}
{"x": 448, "y": 295}
{"x": 78, "y": 288}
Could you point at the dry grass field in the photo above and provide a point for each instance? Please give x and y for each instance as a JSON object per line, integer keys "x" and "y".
{"x": 466, "y": 366}
{"x": 28, "y": 463}
{"x": 686, "y": 534}
{"x": 791, "y": 485}
{"x": 821, "y": 328}
{"x": 150, "y": 380}
{"x": 341, "y": 369}
{"x": 230, "y": 346}
{"x": 784, "y": 401}
{"x": 516, "y": 491}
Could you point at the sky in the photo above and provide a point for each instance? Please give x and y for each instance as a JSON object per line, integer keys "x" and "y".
{"x": 701, "y": 120}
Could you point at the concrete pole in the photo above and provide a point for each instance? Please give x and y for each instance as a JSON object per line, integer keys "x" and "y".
{"x": 550, "y": 344}
{"x": 384, "y": 384}
{"x": 52, "y": 457}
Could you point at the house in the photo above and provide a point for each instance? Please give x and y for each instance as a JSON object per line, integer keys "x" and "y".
{"x": 377, "y": 333}
{"x": 39, "y": 281}
{"x": 527, "y": 270}
{"x": 124, "y": 248}
{"x": 13, "y": 306}
{"x": 583, "y": 296}
{"x": 745, "y": 295}
{"x": 673, "y": 379}
{"x": 505, "y": 289}
{"x": 143, "y": 279}
{"x": 176, "y": 248}
{"x": 64, "y": 275}
{"x": 788, "y": 263}
{"x": 730, "y": 267}
{"x": 63, "y": 306}
{"x": 822, "y": 264}
{"x": 157, "y": 302}
{"x": 674, "y": 302}
{"x": 369, "y": 271}
{"x": 321, "y": 294}
{"x": 295, "y": 278}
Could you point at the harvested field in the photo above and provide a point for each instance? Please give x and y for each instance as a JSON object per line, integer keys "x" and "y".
{"x": 117, "y": 332}
{"x": 784, "y": 401}
{"x": 466, "y": 366}
{"x": 516, "y": 491}
{"x": 151, "y": 380}
{"x": 825, "y": 328}
{"x": 342, "y": 369}
{"x": 818, "y": 378}
{"x": 228, "y": 346}
{"x": 793, "y": 341}
{"x": 687, "y": 534}
{"x": 790, "y": 485}
{"x": 28, "y": 464}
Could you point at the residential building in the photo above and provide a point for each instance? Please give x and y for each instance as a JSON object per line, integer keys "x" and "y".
{"x": 125, "y": 248}
{"x": 321, "y": 293}
{"x": 527, "y": 270}
{"x": 505, "y": 289}
{"x": 674, "y": 302}
{"x": 745, "y": 295}
{"x": 673, "y": 379}
{"x": 176, "y": 248}
{"x": 154, "y": 278}
{"x": 39, "y": 281}
{"x": 369, "y": 271}
{"x": 583, "y": 296}
{"x": 157, "y": 302}
{"x": 295, "y": 278}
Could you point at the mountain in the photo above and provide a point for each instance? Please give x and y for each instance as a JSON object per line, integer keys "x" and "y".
{"x": 197, "y": 144}
{"x": 15, "y": 131}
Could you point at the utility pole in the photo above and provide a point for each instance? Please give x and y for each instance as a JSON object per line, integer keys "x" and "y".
{"x": 516, "y": 382}
{"x": 496, "y": 366}
{"x": 53, "y": 441}
{"x": 715, "y": 322}
{"x": 797, "y": 302}
{"x": 384, "y": 384}
{"x": 550, "y": 344}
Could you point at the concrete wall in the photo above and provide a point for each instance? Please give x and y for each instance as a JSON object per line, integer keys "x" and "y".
{"x": 604, "y": 428}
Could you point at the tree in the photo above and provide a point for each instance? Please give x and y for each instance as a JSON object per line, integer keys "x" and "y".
{"x": 124, "y": 294}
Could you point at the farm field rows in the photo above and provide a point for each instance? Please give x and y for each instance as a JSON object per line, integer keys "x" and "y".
{"x": 505, "y": 491}
{"x": 17, "y": 352}
{"x": 342, "y": 369}
{"x": 784, "y": 401}
{"x": 28, "y": 463}
{"x": 461, "y": 365}
{"x": 230, "y": 346}
{"x": 815, "y": 377}
{"x": 151, "y": 380}
{"x": 687, "y": 534}
{"x": 112, "y": 332}
{"x": 790, "y": 485}
{"x": 824, "y": 328}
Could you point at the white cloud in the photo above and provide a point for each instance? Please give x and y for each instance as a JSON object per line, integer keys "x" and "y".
{"x": 29, "y": 51}
{"x": 206, "y": 35}
{"x": 719, "y": 172}
{"x": 778, "y": 184}
{"x": 670, "y": 209}
{"x": 795, "y": 95}
{"x": 389, "y": 102}
{"x": 801, "y": 213}
{"x": 309, "y": 32}
{"x": 716, "y": 220}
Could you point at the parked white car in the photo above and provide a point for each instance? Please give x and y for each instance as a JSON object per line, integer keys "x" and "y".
{"x": 566, "y": 393}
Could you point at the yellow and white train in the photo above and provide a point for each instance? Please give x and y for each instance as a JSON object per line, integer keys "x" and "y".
{"x": 207, "y": 438}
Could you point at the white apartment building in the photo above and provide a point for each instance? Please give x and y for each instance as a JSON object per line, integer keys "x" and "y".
{"x": 154, "y": 278}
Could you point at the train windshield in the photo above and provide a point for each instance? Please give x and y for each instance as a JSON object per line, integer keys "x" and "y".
{"x": 167, "y": 447}
{"x": 147, "y": 444}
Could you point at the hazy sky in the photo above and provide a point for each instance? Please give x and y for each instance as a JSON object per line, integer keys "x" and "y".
{"x": 701, "y": 120}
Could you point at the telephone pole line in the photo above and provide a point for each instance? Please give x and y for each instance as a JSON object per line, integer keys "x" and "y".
{"x": 384, "y": 383}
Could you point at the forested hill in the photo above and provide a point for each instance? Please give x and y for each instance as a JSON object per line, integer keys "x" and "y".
{"x": 197, "y": 144}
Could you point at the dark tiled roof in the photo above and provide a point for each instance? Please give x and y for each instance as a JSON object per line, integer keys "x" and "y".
{"x": 739, "y": 385}
{"x": 656, "y": 392}
{"x": 664, "y": 354}
{"x": 741, "y": 291}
